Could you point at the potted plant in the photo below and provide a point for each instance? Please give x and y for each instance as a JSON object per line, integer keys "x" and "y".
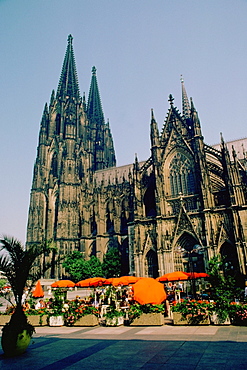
{"x": 146, "y": 314}
{"x": 22, "y": 268}
{"x": 56, "y": 312}
{"x": 113, "y": 317}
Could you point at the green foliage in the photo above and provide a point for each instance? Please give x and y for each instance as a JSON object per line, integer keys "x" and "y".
{"x": 136, "y": 310}
{"x": 223, "y": 286}
{"x": 21, "y": 266}
{"x": 112, "y": 313}
{"x": 238, "y": 314}
{"x": 38, "y": 312}
{"x": 3, "y": 282}
{"x": 193, "y": 308}
{"x": 74, "y": 265}
{"x": 94, "y": 267}
{"x": 79, "y": 269}
{"x": 111, "y": 266}
{"x": 76, "y": 310}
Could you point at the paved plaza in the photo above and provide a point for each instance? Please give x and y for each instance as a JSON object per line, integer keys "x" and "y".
{"x": 123, "y": 347}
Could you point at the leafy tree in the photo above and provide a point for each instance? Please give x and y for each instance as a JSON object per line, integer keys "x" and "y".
{"x": 111, "y": 266}
{"x": 74, "y": 265}
{"x": 94, "y": 267}
{"x": 80, "y": 269}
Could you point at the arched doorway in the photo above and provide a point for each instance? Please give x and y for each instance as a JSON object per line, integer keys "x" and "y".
{"x": 152, "y": 264}
{"x": 229, "y": 257}
{"x": 188, "y": 254}
{"x": 124, "y": 250}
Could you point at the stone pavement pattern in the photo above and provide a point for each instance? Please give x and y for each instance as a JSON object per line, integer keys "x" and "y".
{"x": 166, "y": 347}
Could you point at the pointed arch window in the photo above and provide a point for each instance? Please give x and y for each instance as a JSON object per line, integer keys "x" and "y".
{"x": 93, "y": 224}
{"x": 109, "y": 219}
{"x": 54, "y": 166}
{"x": 182, "y": 175}
{"x": 58, "y": 124}
{"x": 149, "y": 202}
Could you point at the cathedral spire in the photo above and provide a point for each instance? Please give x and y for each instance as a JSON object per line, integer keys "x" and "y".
{"x": 154, "y": 132}
{"x": 185, "y": 100}
{"x": 68, "y": 83}
{"x": 94, "y": 107}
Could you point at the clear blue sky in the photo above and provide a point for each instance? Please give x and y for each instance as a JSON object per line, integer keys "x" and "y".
{"x": 140, "y": 49}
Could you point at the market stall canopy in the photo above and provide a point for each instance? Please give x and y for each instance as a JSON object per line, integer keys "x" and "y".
{"x": 38, "y": 291}
{"x": 174, "y": 276}
{"x": 94, "y": 282}
{"x": 63, "y": 284}
{"x": 149, "y": 290}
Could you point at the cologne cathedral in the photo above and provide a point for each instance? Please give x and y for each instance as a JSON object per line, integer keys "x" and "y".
{"x": 174, "y": 211}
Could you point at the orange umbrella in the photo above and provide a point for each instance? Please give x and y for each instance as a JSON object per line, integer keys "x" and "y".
{"x": 108, "y": 281}
{"x": 38, "y": 291}
{"x": 124, "y": 280}
{"x": 197, "y": 275}
{"x": 95, "y": 281}
{"x": 63, "y": 284}
{"x": 174, "y": 276}
{"x": 148, "y": 290}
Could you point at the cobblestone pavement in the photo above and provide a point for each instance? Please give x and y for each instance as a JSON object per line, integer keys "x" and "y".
{"x": 165, "y": 347}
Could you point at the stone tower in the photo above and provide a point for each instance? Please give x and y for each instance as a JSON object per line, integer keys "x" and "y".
{"x": 74, "y": 141}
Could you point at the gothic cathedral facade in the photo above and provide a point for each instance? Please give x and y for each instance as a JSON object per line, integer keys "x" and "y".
{"x": 174, "y": 211}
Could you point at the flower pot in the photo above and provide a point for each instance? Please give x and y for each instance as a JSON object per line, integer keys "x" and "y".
{"x": 87, "y": 320}
{"x": 12, "y": 345}
{"x": 37, "y": 320}
{"x": 149, "y": 319}
{"x": 4, "y": 319}
{"x": 115, "y": 321}
{"x": 56, "y": 321}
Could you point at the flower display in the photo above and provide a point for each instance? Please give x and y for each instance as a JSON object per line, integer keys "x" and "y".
{"x": 76, "y": 309}
{"x": 192, "y": 308}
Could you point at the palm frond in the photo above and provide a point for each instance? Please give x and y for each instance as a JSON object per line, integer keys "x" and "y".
{"x": 22, "y": 266}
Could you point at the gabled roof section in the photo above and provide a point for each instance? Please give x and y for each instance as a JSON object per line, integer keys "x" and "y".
{"x": 173, "y": 120}
{"x": 94, "y": 107}
{"x": 68, "y": 83}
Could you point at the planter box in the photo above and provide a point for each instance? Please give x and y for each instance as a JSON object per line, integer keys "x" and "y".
{"x": 149, "y": 319}
{"x": 4, "y": 319}
{"x": 214, "y": 319}
{"x": 37, "y": 320}
{"x": 115, "y": 321}
{"x": 236, "y": 321}
{"x": 178, "y": 319}
{"x": 56, "y": 321}
{"x": 87, "y": 320}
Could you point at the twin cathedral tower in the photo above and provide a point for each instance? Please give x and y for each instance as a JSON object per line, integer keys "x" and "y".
{"x": 174, "y": 211}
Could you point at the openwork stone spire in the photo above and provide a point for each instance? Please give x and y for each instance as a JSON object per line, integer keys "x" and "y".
{"x": 94, "y": 107}
{"x": 185, "y": 100}
{"x": 68, "y": 83}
